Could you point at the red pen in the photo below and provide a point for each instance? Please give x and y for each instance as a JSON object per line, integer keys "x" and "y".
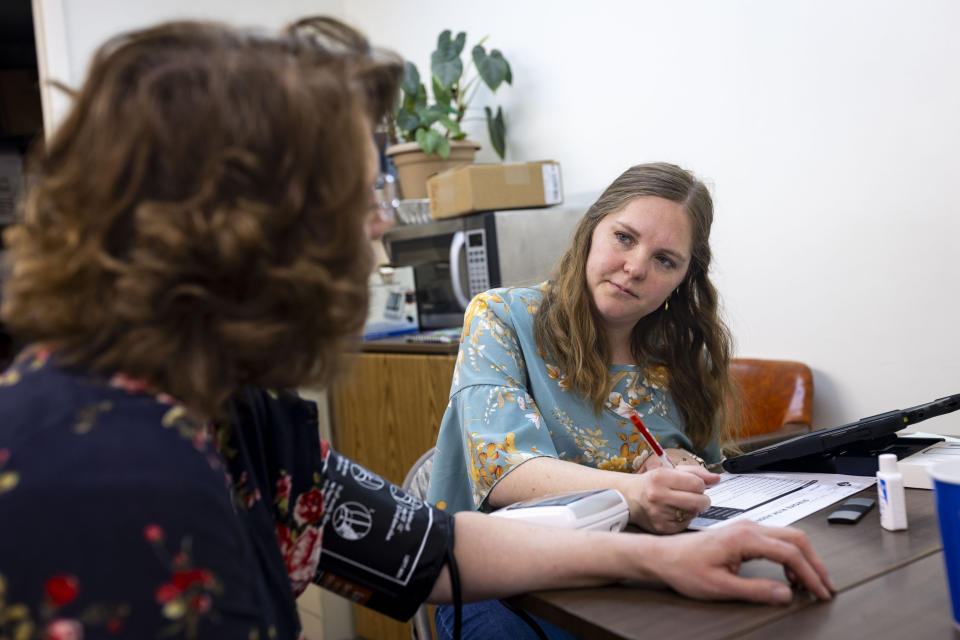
{"x": 650, "y": 440}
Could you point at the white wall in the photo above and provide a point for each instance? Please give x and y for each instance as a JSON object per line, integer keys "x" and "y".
{"x": 829, "y": 131}
{"x": 69, "y": 31}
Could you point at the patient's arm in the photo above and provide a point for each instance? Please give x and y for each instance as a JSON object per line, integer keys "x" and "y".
{"x": 499, "y": 557}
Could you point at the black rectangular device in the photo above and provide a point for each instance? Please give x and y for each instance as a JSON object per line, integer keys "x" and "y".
{"x": 851, "y": 511}
{"x": 815, "y": 451}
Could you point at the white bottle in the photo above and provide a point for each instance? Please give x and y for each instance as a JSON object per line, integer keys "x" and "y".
{"x": 893, "y": 508}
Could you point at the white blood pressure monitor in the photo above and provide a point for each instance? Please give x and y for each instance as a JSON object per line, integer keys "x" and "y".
{"x": 595, "y": 510}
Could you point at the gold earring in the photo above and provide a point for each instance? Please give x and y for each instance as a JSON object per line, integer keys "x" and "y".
{"x": 666, "y": 304}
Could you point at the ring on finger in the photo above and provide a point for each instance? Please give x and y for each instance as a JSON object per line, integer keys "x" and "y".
{"x": 639, "y": 461}
{"x": 680, "y": 515}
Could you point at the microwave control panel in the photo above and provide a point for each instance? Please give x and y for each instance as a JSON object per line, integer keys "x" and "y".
{"x": 478, "y": 273}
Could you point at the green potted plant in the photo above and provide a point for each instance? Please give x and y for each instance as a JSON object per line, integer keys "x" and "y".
{"x": 427, "y": 135}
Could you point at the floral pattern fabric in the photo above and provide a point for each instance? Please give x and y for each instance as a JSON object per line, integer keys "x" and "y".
{"x": 120, "y": 516}
{"x": 507, "y": 405}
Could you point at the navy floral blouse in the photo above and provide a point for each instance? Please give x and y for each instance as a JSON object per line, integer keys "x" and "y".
{"x": 122, "y": 517}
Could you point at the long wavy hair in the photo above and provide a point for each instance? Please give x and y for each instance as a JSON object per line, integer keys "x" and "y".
{"x": 198, "y": 219}
{"x": 689, "y": 338}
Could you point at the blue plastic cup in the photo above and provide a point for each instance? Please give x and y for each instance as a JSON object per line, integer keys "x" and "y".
{"x": 946, "y": 491}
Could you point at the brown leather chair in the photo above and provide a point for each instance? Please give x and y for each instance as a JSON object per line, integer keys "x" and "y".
{"x": 776, "y": 400}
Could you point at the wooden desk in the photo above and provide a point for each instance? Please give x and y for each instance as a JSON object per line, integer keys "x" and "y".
{"x": 890, "y": 585}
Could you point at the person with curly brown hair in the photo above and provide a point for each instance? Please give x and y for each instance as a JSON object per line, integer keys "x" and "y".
{"x": 194, "y": 244}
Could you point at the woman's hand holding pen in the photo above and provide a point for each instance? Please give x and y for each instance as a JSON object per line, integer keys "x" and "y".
{"x": 666, "y": 500}
{"x": 679, "y": 457}
{"x": 660, "y": 500}
{"x": 669, "y": 497}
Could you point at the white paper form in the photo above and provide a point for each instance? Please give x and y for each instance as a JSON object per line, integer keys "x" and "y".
{"x": 776, "y": 499}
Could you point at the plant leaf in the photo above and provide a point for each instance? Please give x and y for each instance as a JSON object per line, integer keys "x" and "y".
{"x": 443, "y": 147}
{"x": 441, "y": 94}
{"x": 417, "y": 100}
{"x": 447, "y": 72}
{"x": 449, "y": 49}
{"x": 509, "y": 77}
{"x": 429, "y": 115}
{"x": 497, "y": 130}
{"x": 427, "y": 142}
{"x": 407, "y": 120}
{"x": 420, "y": 100}
{"x": 451, "y": 125}
{"x": 445, "y": 61}
{"x": 492, "y": 68}
{"x": 411, "y": 78}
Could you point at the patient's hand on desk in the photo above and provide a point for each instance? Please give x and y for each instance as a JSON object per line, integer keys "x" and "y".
{"x": 704, "y": 565}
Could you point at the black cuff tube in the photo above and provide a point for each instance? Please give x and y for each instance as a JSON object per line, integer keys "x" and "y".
{"x": 382, "y": 547}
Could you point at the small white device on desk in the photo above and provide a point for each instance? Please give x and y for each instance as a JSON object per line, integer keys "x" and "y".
{"x": 916, "y": 467}
{"x": 594, "y": 510}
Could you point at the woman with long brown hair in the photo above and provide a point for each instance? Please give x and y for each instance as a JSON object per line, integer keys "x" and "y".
{"x": 546, "y": 376}
{"x": 195, "y": 242}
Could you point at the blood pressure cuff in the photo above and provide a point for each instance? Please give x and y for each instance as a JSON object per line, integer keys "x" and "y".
{"x": 382, "y": 547}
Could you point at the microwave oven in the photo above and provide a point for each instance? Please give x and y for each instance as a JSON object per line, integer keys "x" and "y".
{"x": 456, "y": 258}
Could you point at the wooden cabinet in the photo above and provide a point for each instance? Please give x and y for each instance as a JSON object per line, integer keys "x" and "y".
{"x": 385, "y": 415}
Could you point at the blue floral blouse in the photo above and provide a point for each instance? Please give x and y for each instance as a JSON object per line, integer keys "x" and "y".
{"x": 507, "y": 405}
{"x": 120, "y": 517}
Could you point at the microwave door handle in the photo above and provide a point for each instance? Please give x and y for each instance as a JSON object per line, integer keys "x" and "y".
{"x": 457, "y": 244}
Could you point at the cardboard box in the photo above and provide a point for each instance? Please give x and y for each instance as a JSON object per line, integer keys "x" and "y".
{"x": 393, "y": 303}
{"x": 492, "y": 187}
